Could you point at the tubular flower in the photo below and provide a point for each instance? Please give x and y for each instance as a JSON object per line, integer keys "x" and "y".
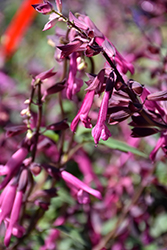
{"x": 15, "y": 207}
{"x": 14, "y": 218}
{"x": 13, "y": 165}
{"x": 6, "y": 201}
{"x": 100, "y": 130}
{"x": 73, "y": 84}
{"x": 84, "y": 111}
{"x": 84, "y": 23}
{"x": 79, "y": 185}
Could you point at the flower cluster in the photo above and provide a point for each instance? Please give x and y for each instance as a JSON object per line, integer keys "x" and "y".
{"x": 117, "y": 188}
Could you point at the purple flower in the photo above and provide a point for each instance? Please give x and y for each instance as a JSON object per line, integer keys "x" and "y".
{"x": 84, "y": 23}
{"x": 44, "y": 75}
{"x": 85, "y": 167}
{"x": 161, "y": 143}
{"x": 14, "y": 218}
{"x": 96, "y": 83}
{"x": 73, "y": 84}
{"x": 84, "y": 111}
{"x": 69, "y": 48}
{"x": 13, "y": 165}
{"x": 59, "y": 5}
{"x": 10, "y": 205}
{"x": 53, "y": 19}
{"x": 79, "y": 185}
{"x": 100, "y": 130}
{"x": 6, "y": 201}
{"x": 150, "y": 105}
{"x": 44, "y": 8}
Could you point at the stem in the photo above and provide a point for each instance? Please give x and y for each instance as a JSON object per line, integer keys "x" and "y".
{"x": 36, "y": 136}
{"x": 132, "y": 96}
{"x": 71, "y": 24}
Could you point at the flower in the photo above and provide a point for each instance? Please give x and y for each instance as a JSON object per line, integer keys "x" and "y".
{"x": 69, "y": 48}
{"x": 44, "y": 8}
{"x": 59, "y": 5}
{"x": 73, "y": 84}
{"x": 79, "y": 185}
{"x": 84, "y": 23}
{"x": 85, "y": 167}
{"x": 13, "y": 165}
{"x": 53, "y": 18}
{"x": 14, "y": 218}
{"x": 100, "y": 130}
{"x": 84, "y": 111}
{"x": 11, "y": 205}
{"x": 6, "y": 200}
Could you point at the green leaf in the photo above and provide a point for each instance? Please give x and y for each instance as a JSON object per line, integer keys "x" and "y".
{"x": 74, "y": 234}
{"x": 83, "y": 135}
{"x": 122, "y": 146}
{"x": 52, "y": 135}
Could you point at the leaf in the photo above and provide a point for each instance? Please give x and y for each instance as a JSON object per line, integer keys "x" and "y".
{"x": 52, "y": 135}
{"x": 83, "y": 133}
{"x": 75, "y": 235}
{"x": 122, "y": 146}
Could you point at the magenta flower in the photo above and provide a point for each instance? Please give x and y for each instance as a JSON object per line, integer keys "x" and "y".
{"x": 150, "y": 105}
{"x": 14, "y": 218}
{"x": 10, "y": 205}
{"x": 84, "y": 23}
{"x": 69, "y": 48}
{"x": 79, "y": 185}
{"x": 59, "y": 5}
{"x": 53, "y": 19}
{"x": 161, "y": 143}
{"x": 85, "y": 167}
{"x": 44, "y": 75}
{"x": 84, "y": 111}
{"x": 13, "y": 165}
{"x": 44, "y": 8}
{"x": 6, "y": 201}
{"x": 100, "y": 130}
{"x": 73, "y": 84}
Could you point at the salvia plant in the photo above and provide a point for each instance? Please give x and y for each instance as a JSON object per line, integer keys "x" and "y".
{"x": 86, "y": 167}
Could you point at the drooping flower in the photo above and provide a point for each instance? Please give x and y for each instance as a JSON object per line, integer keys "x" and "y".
{"x": 95, "y": 87}
{"x": 84, "y": 111}
{"x": 100, "y": 130}
{"x": 84, "y": 23}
